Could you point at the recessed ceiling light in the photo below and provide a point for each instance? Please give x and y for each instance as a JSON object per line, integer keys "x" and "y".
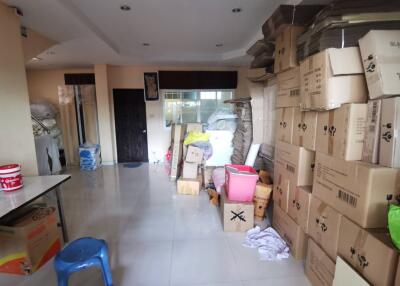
{"x": 36, "y": 59}
{"x": 125, "y": 7}
{"x": 236, "y": 10}
{"x": 219, "y": 45}
{"x": 146, "y": 44}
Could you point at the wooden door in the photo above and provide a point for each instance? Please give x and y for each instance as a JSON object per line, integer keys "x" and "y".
{"x": 130, "y": 125}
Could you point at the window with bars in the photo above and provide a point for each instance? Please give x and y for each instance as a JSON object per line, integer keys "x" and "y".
{"x": 187, "y": 106}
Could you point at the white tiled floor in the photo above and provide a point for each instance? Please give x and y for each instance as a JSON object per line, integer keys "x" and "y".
{"x": 157, "y": 237}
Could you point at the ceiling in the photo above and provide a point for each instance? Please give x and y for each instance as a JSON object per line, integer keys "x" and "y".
{"x": 180, "y": 32}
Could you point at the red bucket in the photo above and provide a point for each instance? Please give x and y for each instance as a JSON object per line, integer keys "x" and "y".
{"x": 10, "y": 178}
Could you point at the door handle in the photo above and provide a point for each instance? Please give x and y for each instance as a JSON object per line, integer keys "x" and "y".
{"x": 144, "y": 131}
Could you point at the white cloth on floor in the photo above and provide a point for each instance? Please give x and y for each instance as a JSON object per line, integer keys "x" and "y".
{"x": 269, "y": 243}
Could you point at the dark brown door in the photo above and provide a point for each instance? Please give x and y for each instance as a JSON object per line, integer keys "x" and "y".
{"x": 130, "y": 125}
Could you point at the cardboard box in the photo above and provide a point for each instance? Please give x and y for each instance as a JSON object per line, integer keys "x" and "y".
{"x": 299, "y": 206}
{"x": 370, "y": 252}
{"x": 190, "y": 170}
{"x": 194, "y": 127}
{"x": 319, "y": 268}
{"x": 261, "y": 199}
{"x": 356, "y": 189}
{"x": 207, "y": 175}
{"x": 285, "y": 48}
{"x": 397, "y": 278}
{"x": 29, "y": 242}
{"x": 331, "y": 78}
{"x": 189, "y": 186}
{"x": 370, "y": 152}
{"x": 194, "y": 155}
{"x": 284, "y": 124}
{"x": 305, "y": 128}
{"x": 389, "y": 149}
{"x": 236, "y": 216}
{"x": 380, "y": 51}
{"x": 323, "y": 226}
{"x": 177, "y": 136}
{"x": 346, "y": 275}
{"x": 340, "y": 132}
{"x": 281, "y": 186}
{"x": 290, "y": 232}
{"x": 288, "y": 83}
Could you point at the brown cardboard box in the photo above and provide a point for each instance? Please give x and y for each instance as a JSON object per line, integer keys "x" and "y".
{"x": 285, "y": 48}
{"x": 370, "y": 252}
{"x": 319, "y": 268}
{"x": 189, "y": 186}
{"x": 356, "y": 189}
{"x": 288, "y": 83}
{"x": 397, "y": 278}
{"x": 331, "y": 78}
{"x": 177, "y": 136}
{"x": 194, "y": 155}
{"x": 323, "y": 226}
{"x": 389, "y": 150}
{"x": 370, "y": 152}
{"x": 381, "y": 58}
{"x": 290, "y": 232}
{"x": 340, "y": 132}
{"x": 194, "y": 127}
{"x": 29, "y": 241}
{"x": 261, "y": 199}
{"x": 207, "y": 175}
{"x": 299, "y": 205}
{"x": 190, "y": 170}
{"x": 236, "y": 216}
{"x": 284, "y": 124}
{"x": 281, "y": 186}
{"x": 305, "y": 128}
{"x": 346, "y": 275}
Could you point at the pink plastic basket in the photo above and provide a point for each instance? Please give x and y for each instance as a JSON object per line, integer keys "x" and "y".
{"x": 240, "y": 182}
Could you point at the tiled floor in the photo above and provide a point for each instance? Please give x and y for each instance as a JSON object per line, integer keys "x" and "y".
{"x": 157, "y": 237}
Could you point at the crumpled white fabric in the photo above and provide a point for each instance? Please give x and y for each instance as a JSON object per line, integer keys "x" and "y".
{"x": 270, "y": 245}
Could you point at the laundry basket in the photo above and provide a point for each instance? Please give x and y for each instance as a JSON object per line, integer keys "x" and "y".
{"x": 240, "y": 182}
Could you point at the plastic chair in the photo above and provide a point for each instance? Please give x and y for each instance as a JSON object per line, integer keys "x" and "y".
{"x": 81, "y": 254}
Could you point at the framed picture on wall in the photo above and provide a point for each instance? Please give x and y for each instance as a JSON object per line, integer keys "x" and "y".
{"x": 151, "y": 86}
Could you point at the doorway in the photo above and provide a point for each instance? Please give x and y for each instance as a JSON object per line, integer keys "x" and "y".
{"x": 130, "y": 125}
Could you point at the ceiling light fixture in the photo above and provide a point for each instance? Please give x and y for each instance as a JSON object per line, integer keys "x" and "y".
{"x": 219, "y": 45}
{"x": 36, "y": 59}
{"x": 125, "y": 7}
{"x": 145, "y": 44}
{"x": 236, "y": 10}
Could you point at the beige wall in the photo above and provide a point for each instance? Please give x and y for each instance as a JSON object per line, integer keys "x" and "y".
{"x": 16, "y": 140}
{"x": 35, "y": 44}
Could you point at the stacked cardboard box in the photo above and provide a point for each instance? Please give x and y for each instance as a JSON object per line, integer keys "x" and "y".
{"x": 191, "y": 180}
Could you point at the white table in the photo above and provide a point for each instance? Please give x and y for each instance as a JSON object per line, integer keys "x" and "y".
{"x": 34, "y": 188}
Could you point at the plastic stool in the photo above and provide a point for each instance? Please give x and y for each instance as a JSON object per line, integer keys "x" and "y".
{"x": 81, "y": 254}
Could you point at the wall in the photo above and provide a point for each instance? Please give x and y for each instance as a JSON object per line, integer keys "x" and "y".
{"x": 34, "y": 44}
{"x": 16, "y": 140}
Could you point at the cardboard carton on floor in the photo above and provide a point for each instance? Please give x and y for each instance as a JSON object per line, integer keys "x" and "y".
{"x": 284, "y": 124}
{"x": 340, "y": 132}
{"x": 323, "y": 226}
{"x": 207, "y": 175}
{"x": 236, "y": 216}
{"x": 389, "y": 149}
{"x": 261, "y": 199}
{"x": 358, "y": 190}
{"x": 194, "y": 127}
{"x": 305, "y": 128}
{"x": 285, "y": 48}
{"x": 177, "y": 136}
{"x": 194, "y": 155}
{"x": 299, "y": 205}
{"x": 319, "y": 268}
{"x": 281, "y": 188}
{"x": 288, "y": 83}
{"x": 331, "y": 78}
{"x": 29, "y": 242}
{"x": 290, "y": 232}
{"x": 190, "y": 170}
{"x": 189, "y": 186}
{"x": 346, "y": 275}
{"x": 381, "y": 59}
{"x": 370, "y": 152}
{"x": 370, "y": 252}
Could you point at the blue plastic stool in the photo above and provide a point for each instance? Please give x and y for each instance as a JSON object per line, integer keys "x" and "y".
{"x": 81, "y": 254}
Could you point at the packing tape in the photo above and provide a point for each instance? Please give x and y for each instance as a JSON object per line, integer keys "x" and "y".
{"x": 331, "y": 119}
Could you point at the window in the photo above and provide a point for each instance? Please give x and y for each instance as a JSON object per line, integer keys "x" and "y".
{"x": 186, "y": 106}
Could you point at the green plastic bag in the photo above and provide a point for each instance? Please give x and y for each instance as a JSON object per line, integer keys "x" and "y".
{"x": 394, "y": 224}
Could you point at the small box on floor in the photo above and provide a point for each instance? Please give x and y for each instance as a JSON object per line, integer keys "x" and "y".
{"x": 323, "y": 226}
{"x": 194, "y": 155}
{"x": 285, "y": 48}
{"x": 369, "y": 251}
{"x": 370, "y": 151}
{"x": 290, "y": 232}
{"x": 299, "y": 206}
{"x": 319, "y": 268}
{"x": 381, "y": 58}
{"x": 389, "y": 149}
{"x": 331, "y": 78}
{"x": 340, "y": 132}
{"x": 189, "y": 186}
{"x": 261, "y": 199}
{"x": 288, "y": 83}
{"x": 190, "y": 170}
{"x": 284, "y": 124}
{"x": 207, "y": 175}
{"x": 29, "y": 241}
{"x": 236, "y": 216}
{"x": 305, "y": 128}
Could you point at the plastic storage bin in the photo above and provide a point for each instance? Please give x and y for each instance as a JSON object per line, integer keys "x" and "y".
{"x": 240, "y": 182}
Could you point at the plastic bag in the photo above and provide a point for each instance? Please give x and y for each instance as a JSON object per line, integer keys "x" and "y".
{"x": 43, "y": 110}
{"x": 394, "y": 224}
{"x": 193, "y": 137}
